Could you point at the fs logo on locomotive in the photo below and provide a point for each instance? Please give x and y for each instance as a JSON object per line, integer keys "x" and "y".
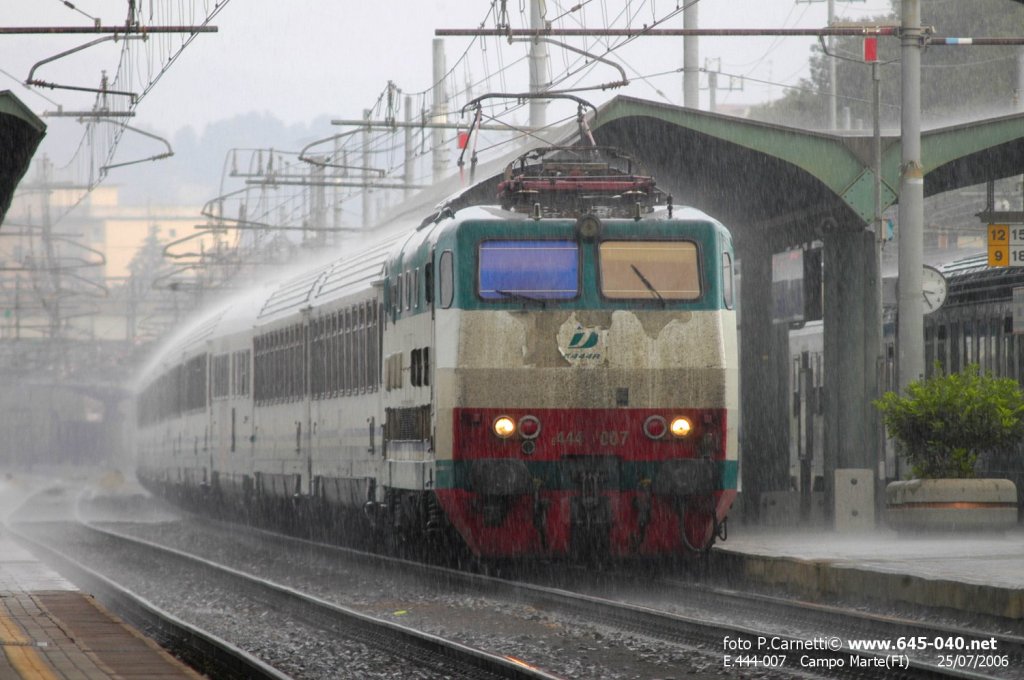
{"x": 586, "y": 346}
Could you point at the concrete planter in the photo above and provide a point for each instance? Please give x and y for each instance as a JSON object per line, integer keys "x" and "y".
{"x": 951, "y": 505}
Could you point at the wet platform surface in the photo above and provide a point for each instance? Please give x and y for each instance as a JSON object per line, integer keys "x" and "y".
{"x": 49, "y": 630}
{"x": 980, "y": 573}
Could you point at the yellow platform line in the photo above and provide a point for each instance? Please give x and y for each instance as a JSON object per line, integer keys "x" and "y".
{"x": 21, "y": 652}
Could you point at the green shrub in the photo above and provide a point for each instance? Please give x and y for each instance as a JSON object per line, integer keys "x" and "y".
{"x": 945, "y": 422}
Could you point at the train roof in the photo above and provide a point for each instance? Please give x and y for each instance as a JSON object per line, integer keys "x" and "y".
{"x": 971, "y": 280}
{"x": 312, "y": 284}
{"x": 969, "y": 264}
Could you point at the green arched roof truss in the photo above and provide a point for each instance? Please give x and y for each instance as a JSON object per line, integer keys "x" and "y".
{"x": 788, "y": 180}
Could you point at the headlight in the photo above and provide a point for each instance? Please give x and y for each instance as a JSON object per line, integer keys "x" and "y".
{"x": 504, "y": 427}
{"x": 680, "y": 427}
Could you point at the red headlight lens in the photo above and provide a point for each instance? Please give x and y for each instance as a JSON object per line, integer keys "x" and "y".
{"x": 655, "y": 427}
{"x": 529, "y": 427}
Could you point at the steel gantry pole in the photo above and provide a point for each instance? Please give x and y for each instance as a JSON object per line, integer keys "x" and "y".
{"x": 538, "y": 67}
{"x": 833, "y": 89}
{"x": 910, "y": 328}
{"x": 691, "y": 59}
{"x": 439, "y": 112}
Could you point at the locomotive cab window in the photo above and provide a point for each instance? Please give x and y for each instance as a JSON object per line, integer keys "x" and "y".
{"x": 727, "y": 281}
{"x": 532, "y": 270}
{"x": 646, "y": 270}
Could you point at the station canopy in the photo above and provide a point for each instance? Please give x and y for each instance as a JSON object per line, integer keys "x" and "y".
{"x": 20, "y": 134}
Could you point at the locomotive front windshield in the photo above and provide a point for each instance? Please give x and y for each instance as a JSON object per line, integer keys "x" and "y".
{"x": 535, "y": 269}
{"x": 549, "y": 270}
{"x": 642, "y": 270}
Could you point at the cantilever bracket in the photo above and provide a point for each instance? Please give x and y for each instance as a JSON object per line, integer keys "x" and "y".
{"x": 31, "y": 80}
{"x": 157, "y": 157}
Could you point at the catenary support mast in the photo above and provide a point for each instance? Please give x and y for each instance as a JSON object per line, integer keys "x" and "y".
{"x": 910, "y": 339}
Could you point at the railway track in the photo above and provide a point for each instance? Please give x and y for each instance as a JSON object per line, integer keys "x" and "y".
{"x": 209, "y": 654}
{"x": 792, "y": 633}
{"x": 393, "y": 645}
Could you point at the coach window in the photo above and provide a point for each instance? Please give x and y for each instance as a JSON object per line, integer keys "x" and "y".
{"x": 981, "y": 344}
{"x": 941, "y": 333}
{"x": 377, "y": 336}
{"x": 221, "y": 376}
{"x": 1019, "y": 357}
{"x": 1009, "y": 345}
{"x": 416, "y": 288}
{"x": 397, "y": 303}
{"x": 281, "y": 364}
{"x": 328, "y": 356}
{"x": 446, "y": 280}
{"x": 980, "y": 341}
{"x": 350, "y": 350}
{"x": 315, "y": 359}
{"x": 995, "y": 347}
{"x": 344, "y": 350}
{"x": 646, "y": 270}
{"x": 428, "y": 283}
{"x": 339, "y": 354}
{"x": 289, "y": 363}
{"x": 970, "y": 346}
{"x": 361, "y": 351}
{"x": 929, "y": 346}
{"x": 243, "y": 372}
{"x": 372, "y": 365}
{"x": 531, "y": 270}
{"x": 955, "y": 343}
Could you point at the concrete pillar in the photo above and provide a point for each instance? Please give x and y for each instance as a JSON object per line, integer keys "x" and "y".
{"x": 855, "y": 500}
{"x": 850, "y": 352}
{"x": 764, "y": 393}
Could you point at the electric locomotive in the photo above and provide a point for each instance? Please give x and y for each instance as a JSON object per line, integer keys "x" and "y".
{"x": 552, "y": 374}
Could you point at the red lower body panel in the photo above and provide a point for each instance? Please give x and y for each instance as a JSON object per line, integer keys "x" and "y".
{"x": 526, "y": 531}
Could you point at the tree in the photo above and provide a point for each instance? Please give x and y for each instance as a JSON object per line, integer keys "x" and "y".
{"x": 957, "y": 83}
{"x": 945, "y": 422}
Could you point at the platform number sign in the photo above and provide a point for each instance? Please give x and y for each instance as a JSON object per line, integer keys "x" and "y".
{"x": 1006, "y": 245}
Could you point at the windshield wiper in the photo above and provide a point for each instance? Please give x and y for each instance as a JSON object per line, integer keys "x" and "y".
{"x": 520, "y": 296}
{"x": 648, "y": 284}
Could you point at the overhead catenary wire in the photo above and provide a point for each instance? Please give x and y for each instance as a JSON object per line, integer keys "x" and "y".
{"x": 140, "y": 66}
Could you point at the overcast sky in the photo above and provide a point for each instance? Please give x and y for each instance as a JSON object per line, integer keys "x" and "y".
{"x": 302, "y": 58}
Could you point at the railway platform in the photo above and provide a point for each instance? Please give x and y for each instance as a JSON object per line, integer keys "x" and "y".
{"x": 50, "y": 630}
{"x": 977, "y": 573}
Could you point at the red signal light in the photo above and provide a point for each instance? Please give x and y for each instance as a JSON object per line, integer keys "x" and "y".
{"x": 870, "y": 49}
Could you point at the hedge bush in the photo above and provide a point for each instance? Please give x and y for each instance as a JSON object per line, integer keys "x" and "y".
{"x": 945, "y": 422}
